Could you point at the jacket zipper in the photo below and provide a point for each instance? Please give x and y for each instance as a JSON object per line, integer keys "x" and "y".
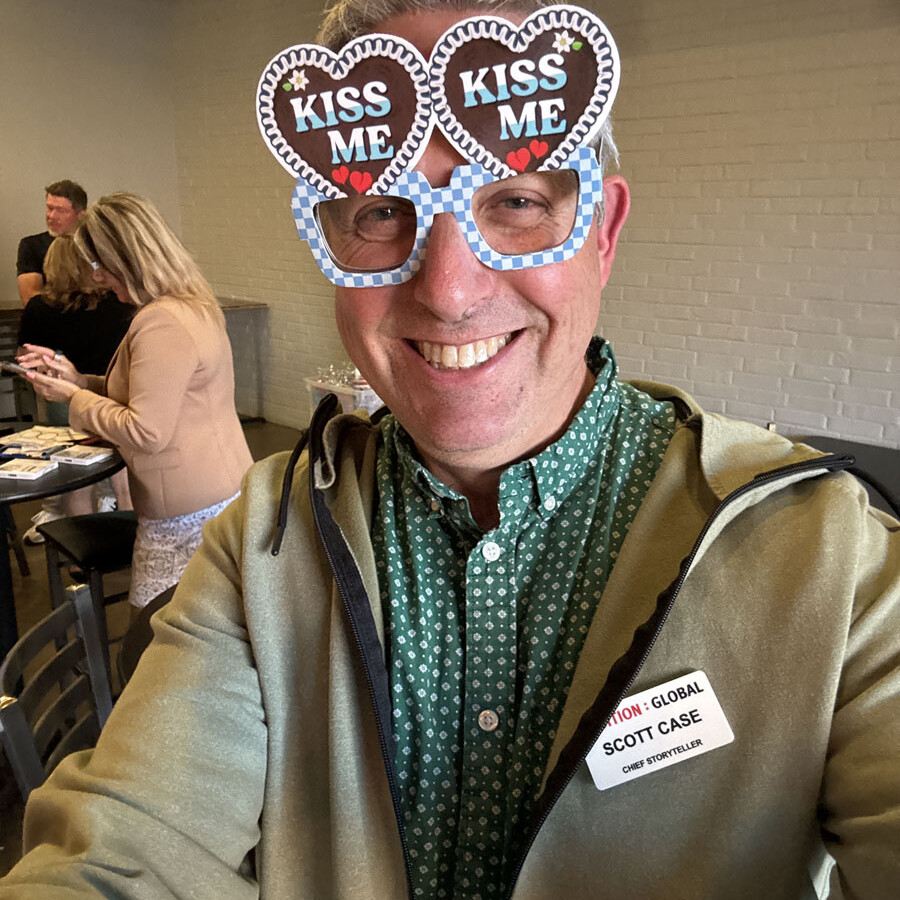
{"x": 828, "y": 463}
{"x": 665, "y": 602}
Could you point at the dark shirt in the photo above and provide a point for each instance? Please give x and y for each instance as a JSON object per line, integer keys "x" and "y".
{"x": 88, "y": 337}
{"x": 32, "y": 250}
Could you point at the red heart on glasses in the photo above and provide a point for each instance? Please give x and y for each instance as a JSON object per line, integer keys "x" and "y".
{"x": 361, "y": 181}
{"x": 547, "y": 84}
{"x": 365, "y": 111}
{"x": 518, "y": 159}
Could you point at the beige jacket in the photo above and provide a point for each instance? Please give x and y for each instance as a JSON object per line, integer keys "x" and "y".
{"x": 245, "y": 758}
{"x": 167, "y": 403}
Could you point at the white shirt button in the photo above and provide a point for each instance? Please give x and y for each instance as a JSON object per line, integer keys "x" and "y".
{"x": 491, "y": 551}
{"x": 488, "y": 720}
{"x": 550, "y": 504}
{"x": 435, "y": 506}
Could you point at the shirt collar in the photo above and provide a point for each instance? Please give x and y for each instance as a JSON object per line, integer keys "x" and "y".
{"x": 558, "y": 469}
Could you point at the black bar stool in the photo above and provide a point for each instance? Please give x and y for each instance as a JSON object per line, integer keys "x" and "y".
{"x": 98, "y": 544}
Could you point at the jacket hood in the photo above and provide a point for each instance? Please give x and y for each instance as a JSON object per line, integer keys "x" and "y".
{"x": 732, "y": 452}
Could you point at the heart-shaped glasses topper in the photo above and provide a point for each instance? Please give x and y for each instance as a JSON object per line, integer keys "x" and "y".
{"x": 347, "y": 123}
{"x": 518, "y": 99}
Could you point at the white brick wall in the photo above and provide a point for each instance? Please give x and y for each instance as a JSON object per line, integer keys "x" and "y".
{"x": 760, "y": 268}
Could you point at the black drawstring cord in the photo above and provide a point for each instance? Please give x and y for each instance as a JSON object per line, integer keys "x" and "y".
{"x": 324, "y": 412}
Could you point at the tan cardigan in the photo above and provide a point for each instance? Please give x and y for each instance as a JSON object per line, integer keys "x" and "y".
{"x": 167, "y": 403}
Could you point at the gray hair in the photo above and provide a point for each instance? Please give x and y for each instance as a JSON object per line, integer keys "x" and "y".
{"x": 347, "y": 19}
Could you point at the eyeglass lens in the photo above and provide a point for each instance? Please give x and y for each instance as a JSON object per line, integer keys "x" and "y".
{"x": 516, "y": 216}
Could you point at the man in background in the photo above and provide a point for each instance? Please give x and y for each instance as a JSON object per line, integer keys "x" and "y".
{"x": 66, "y": 201}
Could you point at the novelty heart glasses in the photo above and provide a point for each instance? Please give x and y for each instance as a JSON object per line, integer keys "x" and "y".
{"x": 509, "y": 223}
{"x": 522, "y": 103}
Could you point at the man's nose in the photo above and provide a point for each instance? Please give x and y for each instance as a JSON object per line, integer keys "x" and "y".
{"x": 451, "y": 280}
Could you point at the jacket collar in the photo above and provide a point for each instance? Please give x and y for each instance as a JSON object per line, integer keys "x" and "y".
{"x": 731, "y": 452}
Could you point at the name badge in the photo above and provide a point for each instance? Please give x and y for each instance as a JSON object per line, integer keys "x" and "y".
{"x": 659, "y": 727}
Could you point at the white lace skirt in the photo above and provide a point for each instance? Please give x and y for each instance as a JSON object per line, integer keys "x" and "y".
{"x": 162, "y": 549}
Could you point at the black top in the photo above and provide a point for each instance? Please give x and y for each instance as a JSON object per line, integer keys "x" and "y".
{"x": 32, "y": 250}
{"x": 88, "y": 337}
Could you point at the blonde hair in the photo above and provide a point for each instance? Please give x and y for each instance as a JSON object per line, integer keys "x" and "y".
{"x": 126, "y": 235}
{"x": 67, "y": 277}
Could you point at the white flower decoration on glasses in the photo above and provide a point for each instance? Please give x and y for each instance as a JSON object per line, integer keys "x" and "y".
{"x": 564, "y": 42}
{"x": 298, "y": 81}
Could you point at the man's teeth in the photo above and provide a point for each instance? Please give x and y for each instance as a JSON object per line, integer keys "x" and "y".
{"x": 464, "y": 356}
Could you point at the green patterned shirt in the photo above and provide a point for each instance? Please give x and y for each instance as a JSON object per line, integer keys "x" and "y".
{"x": 484, "y": 629}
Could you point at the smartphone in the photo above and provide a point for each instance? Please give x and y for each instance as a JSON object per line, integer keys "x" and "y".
{"x": 9, "y": 366}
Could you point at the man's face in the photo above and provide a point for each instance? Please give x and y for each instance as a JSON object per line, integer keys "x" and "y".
{"x": 534, "y": 324}
{"x": 61, "y": 217}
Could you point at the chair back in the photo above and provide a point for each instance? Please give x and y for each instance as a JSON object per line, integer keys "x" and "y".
{"x": 54, "y": 690}
{"x": 11, "y": 385}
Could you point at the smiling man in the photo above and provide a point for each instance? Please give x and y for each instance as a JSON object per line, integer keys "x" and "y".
{"x": 65, "y": 202}
{"x": 483, "y": 368}
{"x": 536, "y": 632}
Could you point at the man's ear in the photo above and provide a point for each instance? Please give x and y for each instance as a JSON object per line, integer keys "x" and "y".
{"x": 81, "y": 212}
{"x": 616, "y": 203}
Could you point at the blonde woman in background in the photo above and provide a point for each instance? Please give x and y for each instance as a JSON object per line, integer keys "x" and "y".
{"x": 167, "y": 400}
{"x": 85, "y": 323}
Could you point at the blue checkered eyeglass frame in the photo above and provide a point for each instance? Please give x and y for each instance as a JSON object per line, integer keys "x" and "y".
{"x": 455, "y": 198}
